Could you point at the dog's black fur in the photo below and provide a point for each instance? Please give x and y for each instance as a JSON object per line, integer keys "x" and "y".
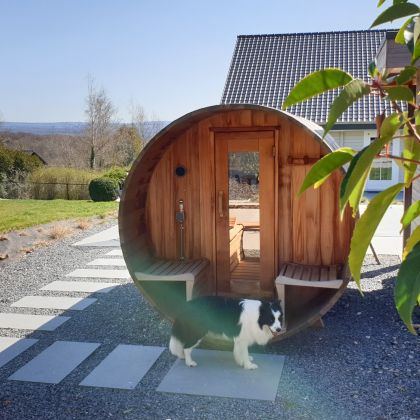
{"x": 226, "y": 317}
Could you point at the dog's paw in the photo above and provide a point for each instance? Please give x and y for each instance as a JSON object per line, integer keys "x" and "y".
{"x": 191, "y": 363}
{"x": 250, "y": 366}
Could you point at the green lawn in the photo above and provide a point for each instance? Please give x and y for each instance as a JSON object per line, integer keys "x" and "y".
{"x": 18, "y": 214}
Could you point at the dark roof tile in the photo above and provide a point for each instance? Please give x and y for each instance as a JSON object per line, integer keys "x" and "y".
{"x": 264, "y": 69}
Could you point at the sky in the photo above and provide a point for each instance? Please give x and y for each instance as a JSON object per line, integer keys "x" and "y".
{"x": 171, "y": 57}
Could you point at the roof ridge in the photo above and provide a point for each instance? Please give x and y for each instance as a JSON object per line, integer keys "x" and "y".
{"x": 317, "y": 33}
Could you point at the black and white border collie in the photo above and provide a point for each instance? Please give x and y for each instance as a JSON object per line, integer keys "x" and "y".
{"x": 244, "y": 321}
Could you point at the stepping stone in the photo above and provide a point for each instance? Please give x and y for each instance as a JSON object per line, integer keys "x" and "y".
{"x": 108, "y": 237}
{"x": 115, "y": 253}
{"x": 124, "y": 367}
{"x": 118, "y": 262}
{"x": 52, "y": 302}
{"x": 99, "y": 273}
{"x": 55, "y": 362}
{"x": 31, "y": 322}
{"x": 218, "y": 375}
{"x": 10, "y": 347}
{"x": 80, "y": 286}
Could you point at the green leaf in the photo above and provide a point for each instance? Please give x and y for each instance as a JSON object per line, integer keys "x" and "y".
{"x": 407, "y": 287}
{"x": 396, "y": 11}
{"x": 406, "y": 75}
{"x": 366, "y": 226}
{"x": 400, "y": 93}
{"x": 412, "y": 241}
{"x": 416, "y": 52}
{"x": 353, "y": 91}
{"x": 380, "y": 3}
{"x": 411, "y": 150}
{"x": 322, "y": 169}
{"x": 315, "y": 84}
{"x": 410, "y": 214}
{"x": 363, "y": 160}
{"x": 416, "y": 31}
{"x": 356, "y": 194}
{"x": 372, "y": 69}
{"x": 345, "y": 181}
{"x": 399, "y": 38}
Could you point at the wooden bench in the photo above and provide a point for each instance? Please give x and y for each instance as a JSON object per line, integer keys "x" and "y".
{"x": 192, "y": 272}
{"x": 308, "y": 276}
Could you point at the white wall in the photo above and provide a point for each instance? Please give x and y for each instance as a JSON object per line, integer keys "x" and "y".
{"x": 357, "y": 139}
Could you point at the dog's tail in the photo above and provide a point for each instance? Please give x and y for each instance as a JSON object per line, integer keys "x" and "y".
{"x": 176, "y": 347}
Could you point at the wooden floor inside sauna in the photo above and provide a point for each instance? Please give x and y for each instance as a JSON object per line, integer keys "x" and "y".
{"x": 245, "y": 279}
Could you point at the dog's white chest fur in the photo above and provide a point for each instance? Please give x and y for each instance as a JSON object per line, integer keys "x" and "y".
{"x": 251, "y": 332}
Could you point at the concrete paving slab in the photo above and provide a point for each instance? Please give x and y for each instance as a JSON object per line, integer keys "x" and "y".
{"x": 115, "y": 253}
{"x": 124, "y": 367}
{"x": 388, "y": 239}
{"x": 10, "y": 347}
{"x": 52, "y": 302}
{"x": 218, "y": 375}
{"x": 106, "y": 238}
{"x": 55, "y": 362}
{"x": 387, "y": 246}
{"x": 80, "y": 286}
{"x": 31, "y": 322}
{"x": 99, "y": 273}
{"x": 117, "y": 262}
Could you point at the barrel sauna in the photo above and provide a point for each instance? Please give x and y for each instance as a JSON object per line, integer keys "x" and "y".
{"x": 211, "y": 206}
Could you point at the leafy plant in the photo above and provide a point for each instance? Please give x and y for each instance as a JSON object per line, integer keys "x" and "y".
{"x": 394, "y": 89}
{"x": 118, "y": 173}
{"x": 103, "y": 189}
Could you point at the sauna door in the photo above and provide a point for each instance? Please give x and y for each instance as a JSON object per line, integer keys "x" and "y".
{"x": 245, "y": 197}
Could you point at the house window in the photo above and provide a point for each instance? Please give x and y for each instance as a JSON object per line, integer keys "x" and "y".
{"x": 381, "y": 168}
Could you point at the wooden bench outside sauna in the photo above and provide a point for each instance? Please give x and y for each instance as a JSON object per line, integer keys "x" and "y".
{"x": 192, "y": 272}
{"x": 307, "y": 276}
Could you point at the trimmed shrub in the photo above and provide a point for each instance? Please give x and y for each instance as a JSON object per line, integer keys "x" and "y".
{"x": 103, "y": 189}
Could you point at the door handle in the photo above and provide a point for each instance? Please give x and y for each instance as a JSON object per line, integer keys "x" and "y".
{"x": 220, "y": 203}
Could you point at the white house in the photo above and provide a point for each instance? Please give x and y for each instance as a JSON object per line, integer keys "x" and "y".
{"x": 264, "y": 69}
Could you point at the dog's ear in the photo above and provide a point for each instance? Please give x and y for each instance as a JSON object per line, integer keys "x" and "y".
{"x": 266, "y": 314}
{"x": 276, "y": 306}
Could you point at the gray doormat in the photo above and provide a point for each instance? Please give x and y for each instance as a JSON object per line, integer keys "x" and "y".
{"x": 218, "y": 375}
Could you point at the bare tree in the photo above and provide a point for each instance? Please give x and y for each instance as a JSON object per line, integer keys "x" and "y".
{"x": 147, "y": 127}
{"x": 100, "y": 118}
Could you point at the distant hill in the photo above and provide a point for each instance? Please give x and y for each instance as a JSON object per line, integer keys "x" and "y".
{"x": 67, "y": 128}
{"x": 72, "y": 128}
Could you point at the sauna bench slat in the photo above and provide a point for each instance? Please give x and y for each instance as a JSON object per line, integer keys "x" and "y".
{"x": 169, "y": 270}
{"x": 309, "y": 276}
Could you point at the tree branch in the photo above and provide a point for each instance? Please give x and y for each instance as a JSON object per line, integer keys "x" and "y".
{"x": 388, "y": 156}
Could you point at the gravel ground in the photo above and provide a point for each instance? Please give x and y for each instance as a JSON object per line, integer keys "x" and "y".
{"x": 363, "y": 365}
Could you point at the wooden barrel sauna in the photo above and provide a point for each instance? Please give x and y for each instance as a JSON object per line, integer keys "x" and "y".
{"x": 211, "y": 207}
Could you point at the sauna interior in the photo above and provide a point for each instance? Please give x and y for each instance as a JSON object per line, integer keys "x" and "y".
{"x": 211, "y": 206}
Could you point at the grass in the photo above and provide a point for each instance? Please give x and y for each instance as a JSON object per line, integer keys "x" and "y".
{"x": 18, "y": 214}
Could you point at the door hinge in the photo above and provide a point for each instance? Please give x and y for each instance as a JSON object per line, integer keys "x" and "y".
{"x": 274, "y": 151}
